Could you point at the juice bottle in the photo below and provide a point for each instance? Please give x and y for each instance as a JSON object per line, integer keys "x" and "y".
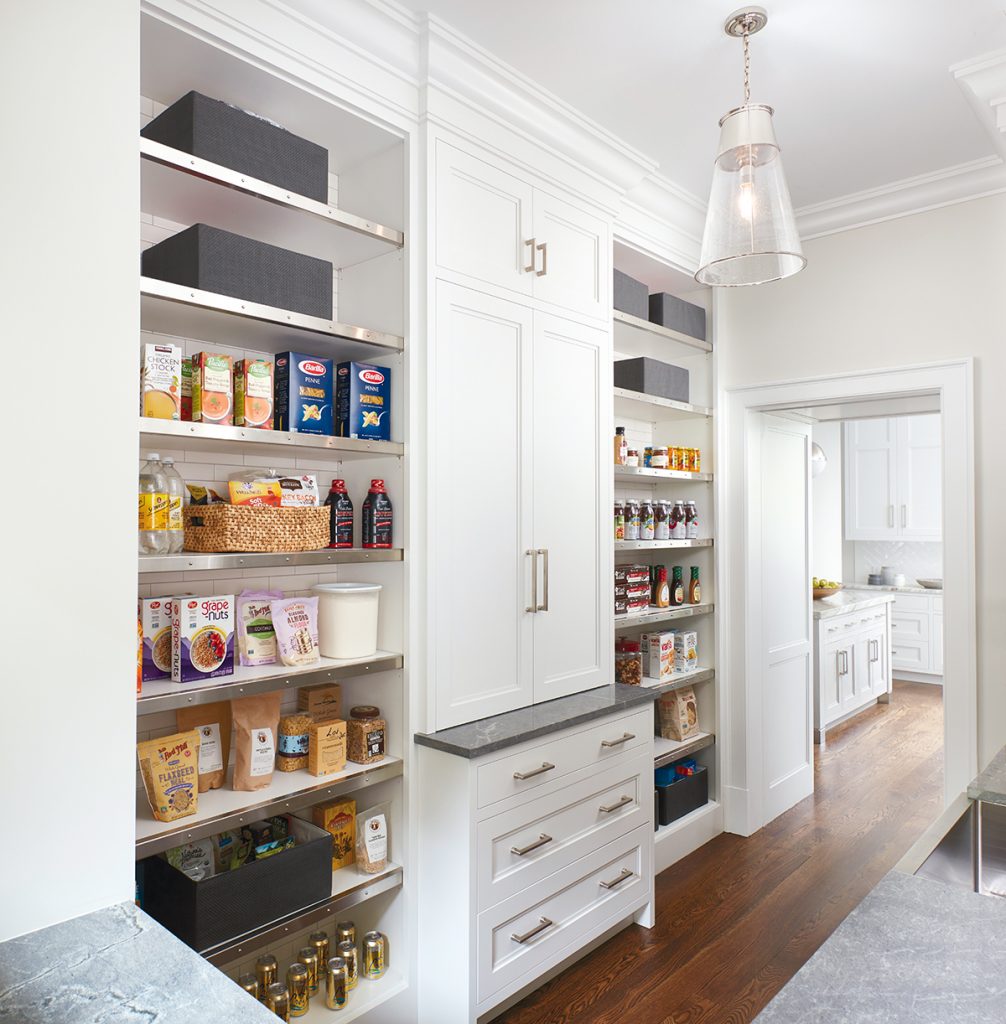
{"x": 176, "y": 498}
{"x": 340, "y": 507}
{"x": 376, "y": 523}
{"x": 153, "y": 522}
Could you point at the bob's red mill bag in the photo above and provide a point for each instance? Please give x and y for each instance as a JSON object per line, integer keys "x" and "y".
{"x": 169, "y": 766}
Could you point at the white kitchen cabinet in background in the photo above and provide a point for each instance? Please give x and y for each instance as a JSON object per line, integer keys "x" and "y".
{"x": 917, "y": 634}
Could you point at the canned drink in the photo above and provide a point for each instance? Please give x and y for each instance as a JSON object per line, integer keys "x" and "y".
{"x": 375, "y": 955}
{"x": 266, "y": 971}
{"x": 277, "y": 999}
{"x": 347, "y": 950}
{"x": 250, "y": 984}
{"x": 319, "y": 941}
{"x": 345, "y": 931}
{"x": 309, "y": 958}
{"x": 336, "y": 988}
{"x": 297, "y": 986}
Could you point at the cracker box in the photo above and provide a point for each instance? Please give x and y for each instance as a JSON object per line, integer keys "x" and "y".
{"x": 202, "y": 637}
{"x": 679, "y": 716}
{"x": 363, "y": 401}
{"x": 339, "y": 820}
{"x": 303, "y": 394}
{"x": 658, "y": 655}
{"x": 155, "y": 617}
{"x": 253, "y": 394}
{"x": 686, "y": 651}
{"x": 187, "y": 390}
{"x": 327, "y": 748}
{"x": 161, "y": 381}
{"x": 212, "y": 388}
{"x": 323, "y": 702}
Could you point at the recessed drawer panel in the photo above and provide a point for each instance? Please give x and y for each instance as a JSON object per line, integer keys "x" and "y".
{"x": 529, "y": 842}
{"x": 537, "y": 928}
{"x": 913, "y": 626}
{"x": 912, "y": 657}
{"x": 911, "y": 603}
{"x": 539, "y": 766}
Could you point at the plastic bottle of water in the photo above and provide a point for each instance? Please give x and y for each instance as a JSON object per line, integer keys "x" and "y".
{"x": 153, "y": 492}
{"x": 176, "y": 499}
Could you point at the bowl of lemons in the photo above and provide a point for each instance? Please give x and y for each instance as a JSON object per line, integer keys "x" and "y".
{"x": 824, "y": 588}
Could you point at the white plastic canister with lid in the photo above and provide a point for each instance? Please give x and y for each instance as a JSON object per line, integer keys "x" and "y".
{"x": 347, "y": 619}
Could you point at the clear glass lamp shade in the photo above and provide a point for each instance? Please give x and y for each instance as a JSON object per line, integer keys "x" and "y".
{"x": 750, "y": 236}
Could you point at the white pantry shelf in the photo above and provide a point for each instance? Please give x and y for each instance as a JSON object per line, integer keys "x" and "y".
{"x": 195, "y": 561}
{"x": 655, "y": 615}
{"x": 367, "y": 996}
{"x": 661, "y": 545}
{"x": 667, "y": 751}
{"x": 626, "y": 322}
{"x": 644, "y": 476}
{"x": 638, "y": 405}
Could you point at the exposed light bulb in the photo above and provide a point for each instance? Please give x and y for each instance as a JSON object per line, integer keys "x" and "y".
{"x": 746, "y": 194}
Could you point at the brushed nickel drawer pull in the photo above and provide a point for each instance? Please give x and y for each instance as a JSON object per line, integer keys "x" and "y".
{"x": 615, "y": 806}
{"x": 623, "y": 877}
{"x": 624, "y": 738}
{"x": 545, "y": 767}
{"x": 537, "y": 930}
{"x": 530, "y": 268}
{"x": 540, "y": 841}
{"x": 542, "y": 247}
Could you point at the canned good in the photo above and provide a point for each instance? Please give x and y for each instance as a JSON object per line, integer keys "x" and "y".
{"x": 250, "y": 984}
{"x": 347, "y": 951}
{"x": 375, "y": 955}
{"x": 345, "y": 931}
{"x": 336, "y": 989}
{"x": 647, "y": 455}
{"x": 696, "y": 460}
{"x": 659, "y": 458}
{"x": 319, "y": 942}
{"x": 309, "y": 958}
{"x": 674, "y": 459}
{"x": 298, "y": 985}
{"x": 278, "y": 1000}
{"x": 266, "y": 971}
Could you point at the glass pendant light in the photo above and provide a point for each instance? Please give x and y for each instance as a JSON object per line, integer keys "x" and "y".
{"x": 750, "y": 235}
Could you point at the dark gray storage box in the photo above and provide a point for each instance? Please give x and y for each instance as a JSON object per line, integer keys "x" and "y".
{"x": 678, "y": 315}
{"x": 630, "y": 295}
{"x": 652, "y": 377}
{"x": 207, "y": 913}
{"x": 219, "y": 261}
{"x": 235, "y": 138}
{"x": 687, "y": 794}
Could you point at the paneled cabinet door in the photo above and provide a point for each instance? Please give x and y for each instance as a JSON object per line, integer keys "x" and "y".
{"x": 836, "y": 680}
{"x": 936, "y": 643}
{"x": 871, "y": 480}
{"x": 920, "y": 478}
{"x": 877, "y": 671}
{"x": 483, "y": 221}
{"x": 572, "y": 633}
{"x": 480, "y": 506}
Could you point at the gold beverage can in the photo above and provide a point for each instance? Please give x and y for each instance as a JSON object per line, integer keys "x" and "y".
{"x": 266, "y": 971}
{"x": 336, "y": 988}
{"x": 308, "y": 956}
{"x": 278, "y": 1000}
{"x": 320, "y": 944}
{"x": 348, "y": 952}
{"x": 375, "y": 955}
{"x": 250, "y": 984}
{"x": 297, "y": 986}
{"x": 345, "y": 931}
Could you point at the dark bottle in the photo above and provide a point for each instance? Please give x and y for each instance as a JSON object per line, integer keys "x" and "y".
{"x": 678, "y": 586}
{"x": 340, "y": 509}
{"x": 377, "y": 517}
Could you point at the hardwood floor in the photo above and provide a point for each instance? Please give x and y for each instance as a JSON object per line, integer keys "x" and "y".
{"x": 739, "y": 917}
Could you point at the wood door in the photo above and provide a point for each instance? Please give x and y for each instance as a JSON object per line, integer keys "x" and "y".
{"x": 572, "y": 499}
{"x": 480, "y": 507}
{"x": 870, "y": 480}
{"x": 920, "y": 478}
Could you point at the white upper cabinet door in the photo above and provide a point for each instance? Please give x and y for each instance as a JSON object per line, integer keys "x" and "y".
{"x": 480, "y": 506}
{"x": 483, "y": 221}
{"x": 870, "y": 480}
{"x": 920, "y": 478}
{"x": 572, "y": 257}
{"x": 572, "y": 472}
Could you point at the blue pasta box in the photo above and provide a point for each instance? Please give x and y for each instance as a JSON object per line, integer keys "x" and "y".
{"x": 363, "y": 401}
{"x": 303, "y": 392}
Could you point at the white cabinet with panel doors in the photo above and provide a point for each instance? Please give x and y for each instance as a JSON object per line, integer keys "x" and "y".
{"x": 893, "y": 479}
{"x": 917, "y": 637}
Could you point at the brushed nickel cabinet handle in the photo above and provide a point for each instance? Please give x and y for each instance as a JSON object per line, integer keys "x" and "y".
{"x": 890, "y": 516}
{"x": 542, "y": 840}
{"x": 543, "y": 607}
{"x": 543, "y": 249}
{"x": 904, "y": 516}
{"x": 615, "y": 806}
{"x": 624, "y": 738}
{"x": 529, "y": 269}
{"x": 533, "y": 606}
{"x": 544, "y": 923}
{"x": 545, "y": 767}
{"x": 623, "y": 877}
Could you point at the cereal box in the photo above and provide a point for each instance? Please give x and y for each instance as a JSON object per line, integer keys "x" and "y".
{"x": 155, "y": 616}
{"x": 679, "y": 716}
{"x": 253, "y": 393}
{"x": 658, "y": 655}
{"x": 187, "y": 390}
{"x": 686, "y": 651}
{"x": 339, "y": 819}
{"x": 202, "y": 637}
{"x": 327, "y": 748}
{"x": 161, "y": 382}
{"x": 212, "y": 388}
{"x": 363, "y": 401}
{"x": 303, "y": 394}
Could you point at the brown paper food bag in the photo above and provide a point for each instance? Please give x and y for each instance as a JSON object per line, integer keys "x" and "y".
{"x": 255, "y": 726}
{"x": 679, "y": 716}
{"x": 213, "y": 723}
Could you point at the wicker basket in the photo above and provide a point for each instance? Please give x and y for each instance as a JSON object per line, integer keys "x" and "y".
{"x": 222, "y": 527}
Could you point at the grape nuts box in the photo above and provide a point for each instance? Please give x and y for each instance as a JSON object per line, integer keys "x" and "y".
{"x": 202, "y": 637}
{"x": 363, "y": 401}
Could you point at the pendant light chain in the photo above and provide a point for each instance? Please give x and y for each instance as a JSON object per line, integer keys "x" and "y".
{"x": 747, "y": 67}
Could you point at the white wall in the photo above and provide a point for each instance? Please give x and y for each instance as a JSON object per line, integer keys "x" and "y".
{"x": 68, "y": 273}
{"x": 909, "y": 291}
{"x": 827, "y": 497}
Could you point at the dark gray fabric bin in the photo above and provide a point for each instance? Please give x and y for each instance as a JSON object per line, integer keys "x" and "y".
{"x": 630, "y": 295}
{"x": 219, "y": 261}
{"x": 235, "y": 138}
{"x": 652, "y": 377}
{"x": 670, "y": 311}
{"x": 688, "y": 794}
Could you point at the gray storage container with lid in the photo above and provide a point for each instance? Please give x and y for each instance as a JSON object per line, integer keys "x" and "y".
{"x": 670, "y": 311}
{"x": 630, "y": 295}
{"x": 652, "y": 377}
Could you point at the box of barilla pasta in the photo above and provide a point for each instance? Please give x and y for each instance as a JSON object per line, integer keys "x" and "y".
{"x": 363, "y": 401}
{"x": 303, "y": 392}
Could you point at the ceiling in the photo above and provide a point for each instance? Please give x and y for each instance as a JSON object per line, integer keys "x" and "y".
{"x": 861, "y": 88}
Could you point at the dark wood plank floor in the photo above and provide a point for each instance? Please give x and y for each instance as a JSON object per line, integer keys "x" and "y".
{"x": 738, "y": 918}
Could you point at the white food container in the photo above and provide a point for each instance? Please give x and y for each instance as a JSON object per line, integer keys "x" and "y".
{"x": 347, "y": 619}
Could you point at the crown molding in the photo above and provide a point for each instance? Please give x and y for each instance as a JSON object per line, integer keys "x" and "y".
{"x": 983, "y": 82}
{"x": 663, "y": 221}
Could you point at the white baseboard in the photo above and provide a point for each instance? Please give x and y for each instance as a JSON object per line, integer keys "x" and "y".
{"x": 918, "y": 677}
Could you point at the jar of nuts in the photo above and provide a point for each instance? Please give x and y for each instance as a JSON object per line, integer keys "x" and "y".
{"x": 628, "y": 663}
{"x": 365, "y": 731}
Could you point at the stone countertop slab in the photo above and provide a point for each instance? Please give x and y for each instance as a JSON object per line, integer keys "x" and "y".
{"x": 915, "y": 951}
{"x": 507, "y": 730}
{"x": 848, "y": 601}
{"x": 990, "y": 785}
{"x": 115, "y": 966}
{"x": 897, "y": 590}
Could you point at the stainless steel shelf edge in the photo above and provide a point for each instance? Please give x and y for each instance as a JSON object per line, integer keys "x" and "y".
{"x": 701, "y": 675}
{"x": 629, "y": 396}
{"x": 276, "y": 931}
{"x": 686, "y": 748}
{"x": 661, "y": 545}
{"x": 175, "y": 834}
{"x": 210, "y": 694}
{"x": 661, "y": 332}
{"x": 644, "y": 475}
{"x": 193, "y": 561}
{"x": 229, "y": 178}
{"x": 229, "y": 306}
{"x": 662, "y": 615}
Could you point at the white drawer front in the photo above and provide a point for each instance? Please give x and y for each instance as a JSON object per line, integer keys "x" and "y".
{"x": 556, "y": 916}
{"x": 912, "y": 603}
{"x": 912, "y": 657}
{"x": 913, "y": 627}
{"x": 561, "y": 827}
{"x": 558, "y": 755}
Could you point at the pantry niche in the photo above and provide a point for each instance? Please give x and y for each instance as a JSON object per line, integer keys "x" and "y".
{"x": 360, "y": 230}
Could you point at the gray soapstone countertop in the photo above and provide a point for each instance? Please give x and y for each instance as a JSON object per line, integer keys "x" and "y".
{"x": 115, "y": 966}
{"x": 507, "y": 730}
{"x": 848, "y": 601}
{"x": 990, "y": 784}
{"x": 915, "y": 951}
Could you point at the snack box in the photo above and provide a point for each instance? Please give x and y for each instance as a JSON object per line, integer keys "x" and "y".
{"x": 303, "y": 394}
{"x": 339, "y": 820}
{"x": 253, "y": 394}
{"x": 363, "y": 401}
{"x": 161, "y": 381}
{"x": 212, "y": 388}
{"x": 658, "y": 655}
{"x": 155, "y": 617}
{"x": 202, "y": 637}
{"x": 187, "y": 390}
{"x": 686, "y": 651}
{"x": 327, "y": 748}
